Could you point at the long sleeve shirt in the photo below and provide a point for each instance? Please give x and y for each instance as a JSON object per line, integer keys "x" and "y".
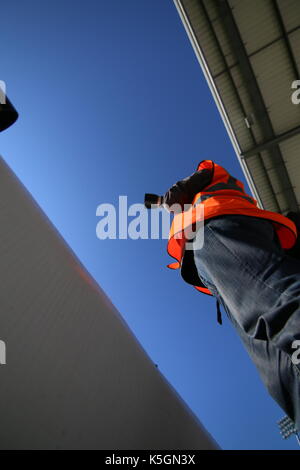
{"x": 183, "y": 192}
{"x": 180, "y": 194}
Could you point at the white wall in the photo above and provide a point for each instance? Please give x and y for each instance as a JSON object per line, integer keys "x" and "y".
{"x": 75, "y": 376}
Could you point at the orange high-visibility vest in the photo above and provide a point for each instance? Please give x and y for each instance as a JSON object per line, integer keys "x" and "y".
{"x": 223, "y": 196}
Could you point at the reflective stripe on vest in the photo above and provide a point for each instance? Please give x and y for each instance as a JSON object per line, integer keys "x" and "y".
{"x": 231, "y": 184}
{"x": 225, "y": 195}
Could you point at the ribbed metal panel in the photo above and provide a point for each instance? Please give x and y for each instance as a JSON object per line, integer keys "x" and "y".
{"x": 204, "y": 36}
{"x": 269, "y": 33}
{"x": 257, "y": 173}
{"x": 237, "y": 118}
{"x": 274, "y": 75}
{"x": 75, "y": 377}
{"x": 290, "y": 11}
{"x": 211, "y": 9}
{"x": 244, "y": 137}
{"x": 276, "y": 181}
{"x": 291, "y": 149}
{"x": 222, "y": 39}
{"x": 294, "y": 39}
{"x": 256, "y": 22}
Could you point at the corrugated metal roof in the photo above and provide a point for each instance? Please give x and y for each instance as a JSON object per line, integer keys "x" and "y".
{"x": 250, "y": 55}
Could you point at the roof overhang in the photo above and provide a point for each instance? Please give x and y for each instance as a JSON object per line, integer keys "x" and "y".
{"x": 247, "y": 51}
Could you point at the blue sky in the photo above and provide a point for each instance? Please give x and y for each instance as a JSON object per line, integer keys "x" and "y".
{"x": 112, "y": 101}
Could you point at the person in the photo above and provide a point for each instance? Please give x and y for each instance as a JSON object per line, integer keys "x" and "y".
{"x": 295, "y": 250}
{"x": 245, "y": 262}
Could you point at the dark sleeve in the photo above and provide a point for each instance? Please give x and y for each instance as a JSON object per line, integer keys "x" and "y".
{"x": 184, "y": 191}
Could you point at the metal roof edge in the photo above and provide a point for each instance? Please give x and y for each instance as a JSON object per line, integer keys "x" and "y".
{"x": 204, "y": 66}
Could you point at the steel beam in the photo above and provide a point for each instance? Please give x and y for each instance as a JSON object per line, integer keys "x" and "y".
{"x": 276, "y": 140}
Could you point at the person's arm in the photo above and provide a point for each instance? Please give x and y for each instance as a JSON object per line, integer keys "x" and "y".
{"x": 183, "y": 191}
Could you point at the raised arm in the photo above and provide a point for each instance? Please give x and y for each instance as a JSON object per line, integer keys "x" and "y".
{"x": 183, "y": 191}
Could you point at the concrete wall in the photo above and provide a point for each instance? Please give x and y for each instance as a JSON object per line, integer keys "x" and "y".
{"x": 75, "y": 376}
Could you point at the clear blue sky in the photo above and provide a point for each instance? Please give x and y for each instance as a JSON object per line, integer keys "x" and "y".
{"x": 112, "y": 101}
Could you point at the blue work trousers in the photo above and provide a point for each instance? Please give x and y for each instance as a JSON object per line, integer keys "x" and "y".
{"x": 258, "y": 284}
